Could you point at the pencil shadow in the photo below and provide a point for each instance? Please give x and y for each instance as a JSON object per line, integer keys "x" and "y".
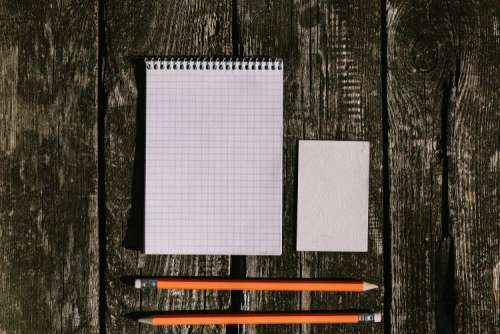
{"x": 143, "y": 314}
{"x": 134, "y": 234}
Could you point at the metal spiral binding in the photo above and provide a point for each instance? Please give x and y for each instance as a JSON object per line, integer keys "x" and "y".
{"x": 213, "y": 64}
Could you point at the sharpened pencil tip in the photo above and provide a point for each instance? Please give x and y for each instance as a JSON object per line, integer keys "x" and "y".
{"x": 369, "y": 286}
{"x": 148, "y": 321}
{"x": 137, "y": 283}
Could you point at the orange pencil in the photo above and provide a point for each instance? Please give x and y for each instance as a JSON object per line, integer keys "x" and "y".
{"x": 254, "y": 284}
{"x": 260, "y": 318}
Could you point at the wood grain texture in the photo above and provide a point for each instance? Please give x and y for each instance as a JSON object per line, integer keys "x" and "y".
{"x": 444, "y": 156}
{"x": 418, "y": 69}
{"x": 474, "y": 164}
{"x": 444, "y": 140}
{"x": 136, "y": 29}
{"x": 48, "y": 167}
{"x": 331, "y": 61}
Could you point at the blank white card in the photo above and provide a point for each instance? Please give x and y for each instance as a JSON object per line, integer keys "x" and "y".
{"x": 332, "y": 205}
{"x": 213, "y": 169}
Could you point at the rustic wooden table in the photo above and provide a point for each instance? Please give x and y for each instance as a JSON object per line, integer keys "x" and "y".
{"x": 419, "y": 80}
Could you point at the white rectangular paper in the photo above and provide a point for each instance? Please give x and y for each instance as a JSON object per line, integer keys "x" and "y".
{"x": 213, "y": 161}
{"x": 332, "y": 207}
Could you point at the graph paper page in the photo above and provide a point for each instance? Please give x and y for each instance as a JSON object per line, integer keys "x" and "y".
{"x": 213, "y": 180}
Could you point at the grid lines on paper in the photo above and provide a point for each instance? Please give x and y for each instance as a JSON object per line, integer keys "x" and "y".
{"x": 213, "y": 162}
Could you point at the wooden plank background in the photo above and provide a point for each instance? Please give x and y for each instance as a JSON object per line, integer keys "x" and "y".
{"x": 419, "y": 80}
{"x": 48, "y": 167}
{"x": 417, "y": 52}
{"x": 443, "y": 58}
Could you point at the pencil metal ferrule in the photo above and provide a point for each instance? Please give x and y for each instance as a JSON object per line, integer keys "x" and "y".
{"x": 148, "y": 283}
{"x": 370, "y": 317}
{"x": 366, "y": 317}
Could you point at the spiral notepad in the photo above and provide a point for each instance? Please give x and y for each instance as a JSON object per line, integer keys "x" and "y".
{"x": 213, "y": 182}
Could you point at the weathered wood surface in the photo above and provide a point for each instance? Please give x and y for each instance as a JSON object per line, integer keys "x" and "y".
{"x": 332, "y": 91}
{"x": 474, "y": 165}
{"x": 415, "y": 96}
{"x": 136, "y": 29}
{"x": 48, "y": 167}
{"x": 442, "y": 229}
{"x": 444, "y": 139}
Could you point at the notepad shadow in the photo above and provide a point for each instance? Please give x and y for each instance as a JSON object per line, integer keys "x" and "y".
{"x": 134, "y": 233}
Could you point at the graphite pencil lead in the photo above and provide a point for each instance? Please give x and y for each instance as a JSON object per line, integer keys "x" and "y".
{"x": 148, "y": 320}
{"x": 369, "y": 286}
